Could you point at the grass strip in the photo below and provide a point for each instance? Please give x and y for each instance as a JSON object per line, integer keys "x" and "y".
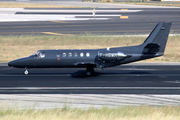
{"x": 31, "y": 5}
{"x": 13, "y": 47}
{"x": 173, "y": 3}
{"x": 105, "y": 113}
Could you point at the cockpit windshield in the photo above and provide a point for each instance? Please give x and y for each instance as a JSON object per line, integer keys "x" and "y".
{"x": 39, "y": 54}
{"x": 36, "y": 53}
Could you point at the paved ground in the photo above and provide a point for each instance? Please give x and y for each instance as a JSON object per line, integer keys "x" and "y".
{"x": 134, "y": 84}
{"x": 128, "y": 79}
{"x": 140, "y": 22}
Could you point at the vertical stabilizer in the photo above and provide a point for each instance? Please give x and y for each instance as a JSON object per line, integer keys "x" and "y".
{"x": 156, "y": 41}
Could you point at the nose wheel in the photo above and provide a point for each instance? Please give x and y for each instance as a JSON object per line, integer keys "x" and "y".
{"x": 26, "y": 72}
{"x": 89, "y": 71}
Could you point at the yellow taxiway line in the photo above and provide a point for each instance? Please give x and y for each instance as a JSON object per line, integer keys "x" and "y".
{"x": 124, "y": 17}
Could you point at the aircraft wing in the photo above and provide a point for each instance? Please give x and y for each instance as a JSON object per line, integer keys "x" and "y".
{"x": 89, "y": 64}
{"x": 85, "y": 64}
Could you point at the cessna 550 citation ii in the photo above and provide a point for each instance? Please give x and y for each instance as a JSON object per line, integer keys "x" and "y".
{"x": 153, "y": 46}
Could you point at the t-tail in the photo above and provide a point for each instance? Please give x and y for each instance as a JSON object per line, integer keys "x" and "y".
{"x": 156, "y": 41}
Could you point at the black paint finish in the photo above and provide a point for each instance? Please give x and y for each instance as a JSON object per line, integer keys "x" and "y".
{"x": 153, "y": 46}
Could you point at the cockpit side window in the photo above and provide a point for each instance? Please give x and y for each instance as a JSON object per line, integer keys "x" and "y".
{"x": 39, "y": 54}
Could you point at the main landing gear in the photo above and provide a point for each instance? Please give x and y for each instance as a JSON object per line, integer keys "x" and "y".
{"x": 89, "y": 71}
{"x": 26, "y": 72}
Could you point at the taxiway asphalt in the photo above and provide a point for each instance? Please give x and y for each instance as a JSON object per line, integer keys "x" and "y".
{"x": 141, "y": 22}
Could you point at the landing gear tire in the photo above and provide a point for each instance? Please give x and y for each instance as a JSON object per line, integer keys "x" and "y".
{"x": 89, "y": 71}
{"x": 26, "y": 72}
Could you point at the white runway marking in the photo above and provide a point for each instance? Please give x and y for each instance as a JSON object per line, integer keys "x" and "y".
{"x": 13, "y": 18}
{"x": 176, "y": 81}
{"x": 9, "y": 14}
{"x": 143, "y": 35}
{"x": 89, "y": 88}
{"x": 102, "y": 74}
{"x": 63, "y": 11}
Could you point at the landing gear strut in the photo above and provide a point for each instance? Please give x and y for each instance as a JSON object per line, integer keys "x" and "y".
{"x": 89, "y": 71}
{"x": 26, "y": 71}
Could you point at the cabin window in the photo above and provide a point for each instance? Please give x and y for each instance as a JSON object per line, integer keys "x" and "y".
{"x": 64, "y": 54}
{"x": 58, "y": 55}
{"x": 70, "y": 54}
{"x": 75, "y": 54}
{"x": 81, "y": 54}
{"x": 87, "y": 54}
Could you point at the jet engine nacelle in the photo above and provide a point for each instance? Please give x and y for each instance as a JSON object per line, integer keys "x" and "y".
{"x": 110, "y": 55}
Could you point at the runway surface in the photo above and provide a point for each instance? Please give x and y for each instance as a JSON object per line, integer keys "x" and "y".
{"x": 133, "y": 84}
{"x": 126, "y": 79}
{"x": 141, "y": 22}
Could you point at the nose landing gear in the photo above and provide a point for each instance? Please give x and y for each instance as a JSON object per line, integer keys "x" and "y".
{"x": 26, "y": 72}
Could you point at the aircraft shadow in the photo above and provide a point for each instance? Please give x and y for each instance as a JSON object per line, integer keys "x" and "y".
{"x": 81, "y": 73}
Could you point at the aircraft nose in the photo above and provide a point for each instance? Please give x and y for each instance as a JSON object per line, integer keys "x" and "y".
{"x": 12, "y": 63}
{"x": 20, "y": 63}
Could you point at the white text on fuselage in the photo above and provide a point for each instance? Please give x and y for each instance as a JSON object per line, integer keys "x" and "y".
{"x": 109, "y": 55}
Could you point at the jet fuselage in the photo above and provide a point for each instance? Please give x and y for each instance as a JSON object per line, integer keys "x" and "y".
{"x": 153, "y": 46}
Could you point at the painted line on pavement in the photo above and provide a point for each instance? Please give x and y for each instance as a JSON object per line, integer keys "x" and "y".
{"x": 143, "y": 35}
{"x": 43, "y": 26}
{"x": 124, "y": 17}
{"x": 95, "y": 15}
{"x": 101, "y": 74}
{"x": 18, "y": 18}
{"x": 89, "y": 88}
{"x": 67, "y": 11}
{"x": 62, "y": 22}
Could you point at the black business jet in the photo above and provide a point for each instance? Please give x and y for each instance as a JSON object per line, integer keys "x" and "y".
{"x": 153, "y": 46}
